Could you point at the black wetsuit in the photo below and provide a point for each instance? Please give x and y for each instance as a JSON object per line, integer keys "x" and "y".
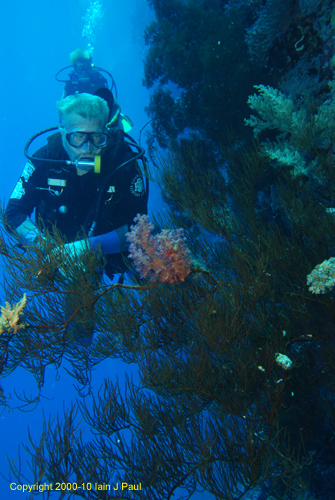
{"x": 63, "y": 199}
{"x": 88, "y": 84}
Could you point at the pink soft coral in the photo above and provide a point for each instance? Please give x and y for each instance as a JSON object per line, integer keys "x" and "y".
{"x": 163, "y": 257}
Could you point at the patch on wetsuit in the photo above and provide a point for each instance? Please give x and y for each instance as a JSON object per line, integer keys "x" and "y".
{"x": 19, "y": 189}
{"x": 137, "y": 185}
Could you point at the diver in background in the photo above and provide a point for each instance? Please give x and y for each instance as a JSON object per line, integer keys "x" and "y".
{"x": 84, "y": 78}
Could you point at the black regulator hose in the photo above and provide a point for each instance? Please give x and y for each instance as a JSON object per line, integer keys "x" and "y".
{"x": 120, "y": 135}
{"x": 32, "y": 138}
{"x": 117, "y": 150}
{"x": 96, "y": 163}
{"x": 113, "y": 85}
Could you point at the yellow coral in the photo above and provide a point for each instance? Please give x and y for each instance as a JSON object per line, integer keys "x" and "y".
{"x": 9, "y": 319}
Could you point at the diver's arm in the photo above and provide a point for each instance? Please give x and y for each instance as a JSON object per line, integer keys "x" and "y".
{"x": 109, "y": 243}
{"x": 112, "y": 242}
{"x": 24, "y": 198}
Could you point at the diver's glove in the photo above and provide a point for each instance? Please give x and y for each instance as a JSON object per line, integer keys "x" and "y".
{"x": 71, "y": 251}
{"x": 70, "y": 255}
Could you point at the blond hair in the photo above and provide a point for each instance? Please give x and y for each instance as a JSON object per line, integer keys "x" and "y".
{"x": 80, "y": 55}
{"x": 88, "y": 106}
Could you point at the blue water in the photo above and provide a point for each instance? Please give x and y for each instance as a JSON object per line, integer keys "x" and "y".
{"x": 36, "y": 40}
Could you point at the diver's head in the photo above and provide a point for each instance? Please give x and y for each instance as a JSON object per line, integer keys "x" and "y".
{"x": 82, "y": 124}
{"x": 81, "y": 60}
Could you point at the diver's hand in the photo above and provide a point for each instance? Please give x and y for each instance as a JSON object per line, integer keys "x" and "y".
{"x": 70, "y": 255}
{"x": 73, "y": 250}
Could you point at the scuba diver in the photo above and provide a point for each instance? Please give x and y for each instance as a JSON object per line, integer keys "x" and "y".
{"x": 84, "y": 78}
{"x": 87, "y": 78}
{"x": 85, "y": 182}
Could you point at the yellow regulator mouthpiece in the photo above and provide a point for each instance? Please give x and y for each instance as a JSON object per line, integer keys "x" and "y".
{"x": 97, "y": 164}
